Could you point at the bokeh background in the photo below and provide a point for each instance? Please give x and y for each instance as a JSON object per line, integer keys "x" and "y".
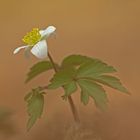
{"x": 106, "y": 29}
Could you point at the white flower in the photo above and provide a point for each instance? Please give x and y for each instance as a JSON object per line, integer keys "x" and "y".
{"x": 36, "y": 42}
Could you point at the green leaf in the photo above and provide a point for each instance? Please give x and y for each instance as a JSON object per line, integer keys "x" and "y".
{"x": 89, "y": 88}
{"x": 92, "y": 69}
{"x": 69, "y": 89}
{"x": 75, "y": 60}
{"x": 28, "y": 96}
{"x": 62, "y": 77}
{"x": 35, "y": 104}
{"x": 84, "y": 97}
{"x": 112, "y": 82}
{"x": 37, "y": 69}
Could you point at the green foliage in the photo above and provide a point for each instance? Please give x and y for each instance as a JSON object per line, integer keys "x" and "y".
{"x": 37, "y": 69}
{"x": 35, "y": 104}
{"x": 62, "y": 77}
{"x": 75, "y": 60}
{"x": 69, "y": 89}
{"x": 90, "y": 88}
{"x": 92, "y": 69}
{"x": 75, "y": 71}
{"x": 111, "y": 81}
{"x": 88, "y": 73}
{"x": 84, "y": 96}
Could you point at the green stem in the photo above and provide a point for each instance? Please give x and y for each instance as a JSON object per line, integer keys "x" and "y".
{"x": 72, "y": 106}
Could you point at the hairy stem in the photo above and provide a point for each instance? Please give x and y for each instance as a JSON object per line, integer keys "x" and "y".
{"x": 72, "y": 106}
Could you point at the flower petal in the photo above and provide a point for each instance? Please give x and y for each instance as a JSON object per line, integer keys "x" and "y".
{"x": 27, "y": 52}
{"x": 47, "y": 32}
{"x": 40, "y": 50}
{"x": 19, "y": 48}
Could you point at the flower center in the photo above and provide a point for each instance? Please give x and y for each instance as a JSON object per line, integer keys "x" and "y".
{"x": 32, "y": 37}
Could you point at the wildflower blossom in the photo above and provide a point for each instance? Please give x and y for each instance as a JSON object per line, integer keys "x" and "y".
{"x": 36, "y": 42}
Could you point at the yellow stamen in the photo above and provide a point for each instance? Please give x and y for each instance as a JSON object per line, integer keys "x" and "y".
{"x": 32, "y": 37}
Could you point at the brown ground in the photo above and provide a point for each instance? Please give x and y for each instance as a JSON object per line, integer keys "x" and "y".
{"x": 106, "y": 29}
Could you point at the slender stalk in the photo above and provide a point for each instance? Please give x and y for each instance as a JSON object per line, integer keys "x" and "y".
{"x": 74, "y": 110}
{"x": 72, "y": 106}
{"x": 53, "y": 63}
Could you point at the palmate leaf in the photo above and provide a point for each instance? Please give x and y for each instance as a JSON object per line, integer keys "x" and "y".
{"x": 90, "y": 88}
{"x": 112, "y": 82}
{"x": 61, "y": 78}
{"x": 37, "y": 69}
{"x": 88, "y": 74}
{"x": 35, "y": 104}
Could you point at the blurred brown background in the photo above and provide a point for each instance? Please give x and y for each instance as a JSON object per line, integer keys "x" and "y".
{"x": 106, "y": 29}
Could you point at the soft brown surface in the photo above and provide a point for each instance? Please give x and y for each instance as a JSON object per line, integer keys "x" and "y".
{"x": 107, "y": 29}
